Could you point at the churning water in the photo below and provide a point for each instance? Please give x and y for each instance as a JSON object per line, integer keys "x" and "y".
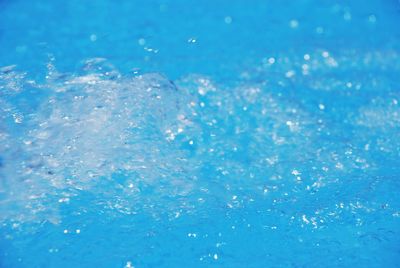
{"x": 176, "y": 134}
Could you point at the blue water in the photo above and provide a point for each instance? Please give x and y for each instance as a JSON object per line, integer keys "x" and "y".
{"x": 217, "y": 133}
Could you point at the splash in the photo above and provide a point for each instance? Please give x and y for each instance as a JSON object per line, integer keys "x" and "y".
{"x": 290, "y": 131}
{"x": 72, "y": 134}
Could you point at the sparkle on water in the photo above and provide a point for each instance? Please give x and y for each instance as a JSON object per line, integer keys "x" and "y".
{"x": 289, "y": 159}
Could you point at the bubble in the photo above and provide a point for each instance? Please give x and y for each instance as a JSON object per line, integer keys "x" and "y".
{"x": 347, "y": 16}
{"x": 325, "y": 54}
{"x": 141, "y": 41}
{"x": 93, "y": 37}
{"x": 228, "y": 20}
{"x": 372, "y": 18}
{"x": 271, "y": 60}
{"x": 294, "y": 24}
{"x": 319, "y": 30}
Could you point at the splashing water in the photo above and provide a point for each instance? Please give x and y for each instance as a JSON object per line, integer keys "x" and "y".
{"x": 293, "y": 144}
